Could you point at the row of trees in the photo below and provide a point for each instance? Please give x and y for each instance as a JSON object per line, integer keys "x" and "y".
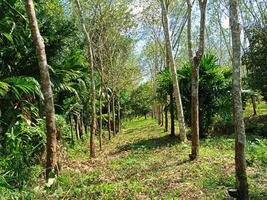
{"x": 89, "y": 73}
{"x": 85, "y": 57}
{"x": 166, "y": 49}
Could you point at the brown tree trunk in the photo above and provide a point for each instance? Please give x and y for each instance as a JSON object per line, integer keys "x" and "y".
{"x": 51, "y": 146}
{"x": 162, "y": 115}
{"x": 240, "y": 139}
{"x": 77, "y": 130}
{"x": 254, "y": 104}
{"x": 195, "y": 77}
{"x": 109, "y": 123}
{"x": 189, "y": 32}
{"x": 119, "y": 115}
{"x": 93, "y": 95}
{"x": 159, "y": 114}
{"x": 166, "y": 120}
{"x": 176, "y": 88}
{"x": 172, "y": 115}
{"x": 194, "y": 110}
{"x": 113, "y": 114}
{"x": 81, "y": 126}
{"x": 100, "y": 119}
{"x": 71, "y": 130}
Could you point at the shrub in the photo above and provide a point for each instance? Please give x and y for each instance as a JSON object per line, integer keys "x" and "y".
{"x": 21, "y": 145}
{"x": 214, "y": 92}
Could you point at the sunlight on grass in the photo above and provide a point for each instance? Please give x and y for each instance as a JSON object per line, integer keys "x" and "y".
{"x": 143, "y": 162}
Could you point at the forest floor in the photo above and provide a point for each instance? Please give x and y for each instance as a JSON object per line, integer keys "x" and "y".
{"x": 143, "y": 162}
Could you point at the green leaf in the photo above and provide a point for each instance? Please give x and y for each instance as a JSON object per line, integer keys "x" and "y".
{"x": 8, "y": 37}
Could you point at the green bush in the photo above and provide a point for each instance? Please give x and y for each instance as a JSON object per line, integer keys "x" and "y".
{"x": 21, "y": 145}
{"x": 214, "y": 92}
{"x": 63, "y": 128}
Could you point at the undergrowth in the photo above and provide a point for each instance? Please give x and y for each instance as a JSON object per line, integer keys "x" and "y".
{"x": 143, "y": 162}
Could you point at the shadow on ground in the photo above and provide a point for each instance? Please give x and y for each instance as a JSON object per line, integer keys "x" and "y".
{"x": 150, "y": 144}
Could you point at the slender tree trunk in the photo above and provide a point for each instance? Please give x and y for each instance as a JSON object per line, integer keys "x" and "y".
{"x": 176, "y": 88}
{"x": 71, "y": 130}
{"x": 254, "y": 104}
{"x": 93, "y": 95}
{"x": 100, "y": 118}
{"x": 109, "y": 123}
{"x": 159, "y": 115}
{"x": 240, "y": 140}
{"x": 119, "y": 114}
{"x": 162, "y": 115}
{"x": 77, "y": 130}
{"x": 166, "y": 120}
{"x": 189, "y": 32}
{"x": 80, "y": 126}
{"x": 51, "y": 146}
{"x": 195, "y": 76}
{"x": 114, "y": 114}
{"x": 172, "y": 115}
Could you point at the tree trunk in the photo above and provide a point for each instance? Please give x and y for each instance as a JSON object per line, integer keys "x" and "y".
{"x": 51, "y": 146}
{"x": 166, "y": 120}
{"x": 109, "y": 123}
{"x": 100, "y": 119}
{"x": 71, "y": 130}
{"x": 113, "y": 114}
{"x": 189, "y": 32}
{"x": 176, "y": 88}
{"x": 77, "y": 130}
{"x": 93, "y": 95}
{"x": 159, "y": 115}
{"x": 172, "y": 115}
{"x": 195, "y": 76}
{"x": 162, "y": 115}
{"x": 254, "y": 104}
{"x": 195, "y": 110}
{"x": 240, "y": 139}
{"x": 80, "y": 126}
{"x": 119, "y": 115}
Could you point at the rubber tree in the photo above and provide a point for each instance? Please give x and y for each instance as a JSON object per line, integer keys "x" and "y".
{"x": 195, "y": 62}
{"x": 51, "y": 145}
{"x": 92, "y": 78}
{"x": 240, "y": 137}
{"x": 177, "y": 95}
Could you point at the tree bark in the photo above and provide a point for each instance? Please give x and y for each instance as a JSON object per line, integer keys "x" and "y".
{"x": 119, "y": 115}
{"x": 51, "y": 146}
{"x": 195, "y": 78}
{"x": 100, "y": 104}
{"x": 77, "y": 130}
{"x": 176, "y": 88}
{"x": 113, "y": 114}
{"x": 166, "y": 120}
{"x": 254, "y": 104}
{"x": 172, "y": 115}
{"x": 93, "y": 95}
{"x": 100, "y": 119}
{"x": 189, "y": 32}
{"x": 109, "y": 123}
{"x": 162, "y": 115}
{"x": 71, "y": 130}
{"x": 159, "y": 114}
{"x": 240, "y": 139}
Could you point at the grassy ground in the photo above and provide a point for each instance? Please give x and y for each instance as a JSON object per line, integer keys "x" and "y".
{"x": 144, "y": 163}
